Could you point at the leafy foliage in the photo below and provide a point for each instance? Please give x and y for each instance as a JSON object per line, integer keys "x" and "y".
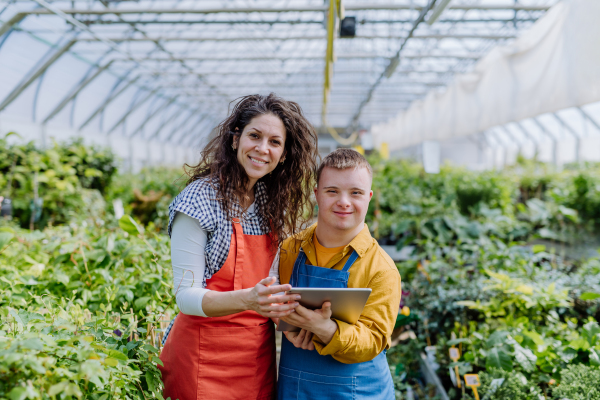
{"x": 59, "y": 174}
{"x": 53, "y": 348}
{"x": 579, "y": 382}
{"x": 79, "y": 305}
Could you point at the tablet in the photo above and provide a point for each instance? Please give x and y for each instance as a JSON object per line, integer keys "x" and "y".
{"x": 346, "y": 303}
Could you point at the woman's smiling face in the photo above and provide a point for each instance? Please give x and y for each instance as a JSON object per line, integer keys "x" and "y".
{"x": 260, "y": 146}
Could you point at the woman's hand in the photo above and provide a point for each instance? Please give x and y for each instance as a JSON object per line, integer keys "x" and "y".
{"x": 301, "y": 339}
{"x": 262, "y": 300}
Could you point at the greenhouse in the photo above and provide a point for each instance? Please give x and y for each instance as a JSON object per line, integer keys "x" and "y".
{"x": 159, "y": 160}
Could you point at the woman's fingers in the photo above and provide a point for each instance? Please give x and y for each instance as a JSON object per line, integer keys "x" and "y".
{"x": 284, "y": 298}
{"x": 266, "y": 289}
{"x": 275, "y": 314}
{"x": 278, "y": 307}
{"x": 267, "y": 281}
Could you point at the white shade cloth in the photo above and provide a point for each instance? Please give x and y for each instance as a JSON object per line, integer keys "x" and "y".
{"x": 553, "y": 66}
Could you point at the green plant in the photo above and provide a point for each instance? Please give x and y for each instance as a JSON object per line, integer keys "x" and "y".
{"x": 578, "y": 382}
{"x": 46, "y": 186}
{"x": 104, "y": 268}
{"x": 507, "y": 386}
{"x": 57, "y": 348}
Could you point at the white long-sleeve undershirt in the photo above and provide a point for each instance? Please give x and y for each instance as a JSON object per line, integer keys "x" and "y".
{"x": 188, "y": 243}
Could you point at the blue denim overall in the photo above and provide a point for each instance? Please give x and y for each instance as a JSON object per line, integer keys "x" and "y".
{"x": 305, "y": 374}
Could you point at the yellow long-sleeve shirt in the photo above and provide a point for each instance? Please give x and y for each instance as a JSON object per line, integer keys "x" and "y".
{"x": 373, "y": 269}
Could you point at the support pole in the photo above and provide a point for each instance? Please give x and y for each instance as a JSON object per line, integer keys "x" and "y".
{"x": 552, "y": 138}
{"x": 515, "y": 140}
{"x": 536, "y": 144}
{"x": 573, "y": 133}
{"x": 34, "y": 74}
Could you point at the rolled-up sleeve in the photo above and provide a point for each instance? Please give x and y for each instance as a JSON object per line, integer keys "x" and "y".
{"x": 363, "y": 341}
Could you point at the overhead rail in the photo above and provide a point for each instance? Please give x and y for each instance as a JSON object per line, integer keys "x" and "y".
{"x": 292, "y": 22}
{"x": 482, "y": 36}
{"x": 246, "y": 10}
{"x": 310, "y": 57}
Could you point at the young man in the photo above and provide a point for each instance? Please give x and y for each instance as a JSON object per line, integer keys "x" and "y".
{"x": 331, "y": 359}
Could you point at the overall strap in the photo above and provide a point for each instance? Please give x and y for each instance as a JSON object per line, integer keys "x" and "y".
{"x": 238, "y": 273}
{"x": 350, "y": 261}
{"x": 300, "y": 260}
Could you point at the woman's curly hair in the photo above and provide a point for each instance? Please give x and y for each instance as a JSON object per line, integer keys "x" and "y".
{"x": 289, "y": 186}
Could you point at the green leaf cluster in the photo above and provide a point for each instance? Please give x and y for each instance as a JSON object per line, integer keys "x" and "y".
{"x": 53, "y": 350}
{"x": 61, "y": 173}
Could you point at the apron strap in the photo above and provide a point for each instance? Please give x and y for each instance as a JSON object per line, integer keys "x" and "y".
{"x": 238, "y": 272}
{"x": 300, "y": 260}
{"x": 350, "y": 261}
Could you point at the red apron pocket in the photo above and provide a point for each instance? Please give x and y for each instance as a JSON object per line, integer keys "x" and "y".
{"x": 233, "y": 362}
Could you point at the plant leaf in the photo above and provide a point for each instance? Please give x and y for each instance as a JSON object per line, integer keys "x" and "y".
{"x": 129, "y": 225}
{"x": 589, "y": 296}
{"x": 5, "y": 238}
{"x": 496, "y": 358}
{"x": 594, "y": 357}
{"x": 525, "y": 358}
{"x": 497, "y": 337}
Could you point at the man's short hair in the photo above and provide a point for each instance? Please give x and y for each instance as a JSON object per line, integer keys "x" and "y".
{"x": 344, "y": 159}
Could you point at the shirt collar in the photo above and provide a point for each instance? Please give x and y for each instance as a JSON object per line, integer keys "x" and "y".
{"x": 361, "y": 242}
{"x": 260, "y": 199}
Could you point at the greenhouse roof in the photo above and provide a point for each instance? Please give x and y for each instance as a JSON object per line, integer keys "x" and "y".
{"x": 165, "y": 70}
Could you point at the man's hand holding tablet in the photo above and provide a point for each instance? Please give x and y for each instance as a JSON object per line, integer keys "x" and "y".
{"x": 318, "y": 322}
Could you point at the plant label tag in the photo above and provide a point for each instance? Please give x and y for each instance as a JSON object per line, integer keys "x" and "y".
{"x": 472, "y": 380}
{"x": 454, "y": 354}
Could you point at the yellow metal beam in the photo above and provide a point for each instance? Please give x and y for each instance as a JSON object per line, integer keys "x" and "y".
{"x": 336, "y": 8}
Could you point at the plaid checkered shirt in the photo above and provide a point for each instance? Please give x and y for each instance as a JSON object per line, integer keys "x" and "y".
{"x": 199, "y": 200}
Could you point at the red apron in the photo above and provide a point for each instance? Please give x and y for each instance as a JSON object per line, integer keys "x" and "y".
{"x": 231, "y": 357}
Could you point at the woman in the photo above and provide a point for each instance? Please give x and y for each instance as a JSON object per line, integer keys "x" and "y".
{"x": 248, "y": 193}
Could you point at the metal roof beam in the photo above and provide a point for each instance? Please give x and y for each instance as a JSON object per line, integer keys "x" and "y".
{"x": 294, "y": 73}
{"x": 294, "y": 22}
{"x": 108, "y": 100}
{"x": 12, "y": 22}
{"x": 154, "y": 113}
{"x": 391, "y": 67}
{"x": 311, "y": 57}
{"x": 303, "y": 37}
{"x": 166, "y": 122}
{"x": 35, "y": 73}
{"x": 132, "y": 109}
{"x": 302, "y": 84}
{"x": 565, "y": 125}
{"x": 246, "y": 10}
{"x": 193, "y": 129}
{"x": 76, "y": 90}
{"x": 589, "y": 118}
{"x": 183, "y": 123}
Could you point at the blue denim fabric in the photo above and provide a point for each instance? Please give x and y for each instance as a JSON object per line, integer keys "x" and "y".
{"x": 305, "y": 374}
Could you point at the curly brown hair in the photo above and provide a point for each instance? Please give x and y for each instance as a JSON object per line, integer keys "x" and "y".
{"x": 288, "y": 186}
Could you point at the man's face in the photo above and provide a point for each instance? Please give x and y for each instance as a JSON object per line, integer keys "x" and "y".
{"x": 343, "y": 197}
